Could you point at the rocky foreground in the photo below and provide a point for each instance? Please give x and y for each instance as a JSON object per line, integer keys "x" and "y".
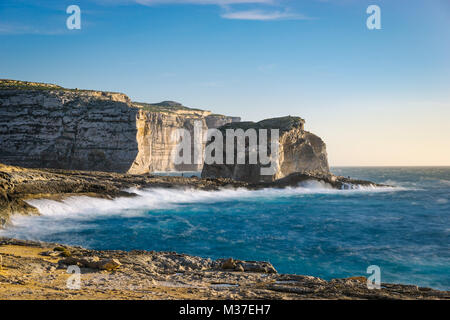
{"x": 34, "y": 270}
{"x": 20, "y": 184}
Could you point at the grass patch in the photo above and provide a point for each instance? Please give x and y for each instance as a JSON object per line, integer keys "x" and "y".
{"x": 165, "y": 106}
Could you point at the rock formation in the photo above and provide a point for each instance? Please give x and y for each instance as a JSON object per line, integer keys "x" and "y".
{"x": 38, "y": 270}
{"x": 43, "y": 125}
{"x": 299, "y": 151}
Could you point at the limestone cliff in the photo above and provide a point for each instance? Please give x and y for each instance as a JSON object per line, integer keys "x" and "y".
{"x": 298, "y": 151}
{"x": 43, "y": 125}
{"x": 155, "y": 136}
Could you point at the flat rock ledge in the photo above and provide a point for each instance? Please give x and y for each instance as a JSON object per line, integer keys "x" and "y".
{"x": 37, "y": 270}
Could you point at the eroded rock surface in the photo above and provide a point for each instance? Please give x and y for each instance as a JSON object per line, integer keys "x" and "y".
{"x": 29, "y": 272}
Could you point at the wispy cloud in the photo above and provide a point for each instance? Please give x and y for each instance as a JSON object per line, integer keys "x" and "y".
{"x": 18, "y": 29}
{"x": 205, "y": 2}
{"x": 263, "y": 15}
{"x": 252, "y": 14}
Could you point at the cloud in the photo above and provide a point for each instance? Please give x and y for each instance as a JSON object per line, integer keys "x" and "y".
{"x": 263, "y": 15}
{"x": 204, "y": 2}
{"x": 255, "y": 14}
{"x": 16, "y": 29}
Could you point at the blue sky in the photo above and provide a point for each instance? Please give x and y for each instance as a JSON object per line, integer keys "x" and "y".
{"x": 377, "y": 97}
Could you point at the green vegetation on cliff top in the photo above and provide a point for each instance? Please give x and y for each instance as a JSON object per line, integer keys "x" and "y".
{"x": 165, "y": 106}
{"x": 7, "y": 84}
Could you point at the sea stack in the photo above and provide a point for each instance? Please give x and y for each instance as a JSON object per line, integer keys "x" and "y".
{"x": 299, "y": 151}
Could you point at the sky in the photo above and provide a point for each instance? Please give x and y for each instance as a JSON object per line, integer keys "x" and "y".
{"x": 377, "y": 97}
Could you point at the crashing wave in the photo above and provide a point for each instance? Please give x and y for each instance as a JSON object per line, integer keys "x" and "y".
{"x": 159, "y": 198}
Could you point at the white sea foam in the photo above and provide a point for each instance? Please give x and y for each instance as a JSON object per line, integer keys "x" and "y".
{"x": 158, "y": 198}
{"x": 84, "y": 208}
{"x": 442, "y": 201}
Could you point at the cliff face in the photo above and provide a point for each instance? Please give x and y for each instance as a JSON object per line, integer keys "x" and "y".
{"x": 51, "y": 127}
{"x": 298, "y": 151}
{"x": 48, "y": 126}
{"x": 156, "y": 142}
{"x": 67, "y": 129}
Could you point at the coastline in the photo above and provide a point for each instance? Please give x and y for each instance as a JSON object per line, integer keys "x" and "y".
{"x": 19, "y": 184}
{"x": 38, "y": 271}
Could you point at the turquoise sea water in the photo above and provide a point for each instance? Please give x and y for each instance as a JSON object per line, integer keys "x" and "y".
{"x": 311, "y": 229}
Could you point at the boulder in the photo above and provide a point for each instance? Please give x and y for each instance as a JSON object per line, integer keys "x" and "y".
{"x": 109, "y": 264}
{"x": 92, "y": 263}
{"x": 229, "y": 264}
{"x": 246, "y": 266}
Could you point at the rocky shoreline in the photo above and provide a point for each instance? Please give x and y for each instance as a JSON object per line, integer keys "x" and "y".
{"x": 36, "y": 270}
{"x": 19, "y": 184}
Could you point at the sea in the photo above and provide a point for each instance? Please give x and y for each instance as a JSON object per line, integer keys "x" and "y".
{"x": 311, "y": 229}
